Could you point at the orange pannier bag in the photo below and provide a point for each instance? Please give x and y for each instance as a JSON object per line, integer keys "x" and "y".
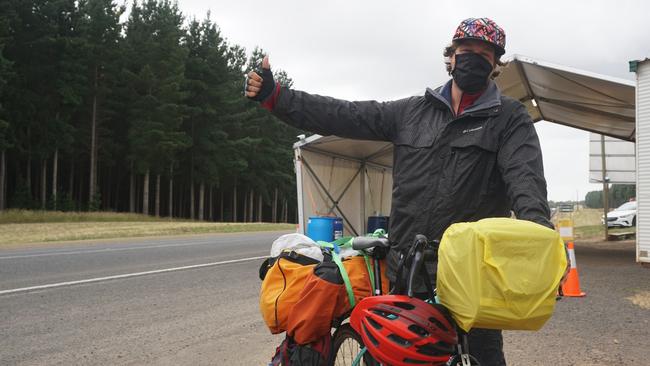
{"x": 324, "y": 297}
{"x": 285, "y": 277}
{"x": 292, "y": 278}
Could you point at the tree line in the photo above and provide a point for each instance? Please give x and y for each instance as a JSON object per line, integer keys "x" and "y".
{"x": 136, "y": 111}
{"x": 618, "y": 195}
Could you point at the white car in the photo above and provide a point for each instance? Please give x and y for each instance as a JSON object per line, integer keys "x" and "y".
{"x": 623, "y": 216}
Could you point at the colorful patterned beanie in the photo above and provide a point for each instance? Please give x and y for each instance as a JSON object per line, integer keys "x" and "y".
{"x": 483, "y": 29}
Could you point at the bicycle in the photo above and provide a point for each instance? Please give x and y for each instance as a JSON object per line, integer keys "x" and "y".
{"x": 347, "y": 344}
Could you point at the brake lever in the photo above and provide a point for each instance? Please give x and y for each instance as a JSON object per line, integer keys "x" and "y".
{"x": 415, "y": 268}
{"x": 416, "y": 263}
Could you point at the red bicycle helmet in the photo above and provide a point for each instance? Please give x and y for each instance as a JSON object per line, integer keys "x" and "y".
{"x": 402, "y": 331}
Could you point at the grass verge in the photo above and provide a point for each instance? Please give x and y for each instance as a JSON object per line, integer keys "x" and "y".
{"x": 36, "y": 216}
{"x": 595, "y": 231}
{"x": 20, "y": 227}
{"x": 587, "y": 223}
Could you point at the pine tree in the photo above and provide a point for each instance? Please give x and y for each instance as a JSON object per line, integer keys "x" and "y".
{"x": 101, "y": 30}
{"x": 157, "y": 73}
{"x": 6, "y": 72}
{"x": 207, "y": 88}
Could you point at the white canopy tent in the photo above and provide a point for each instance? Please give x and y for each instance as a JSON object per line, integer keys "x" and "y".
{"x": 571, "y": 97}
{"x": 352, "y": 179}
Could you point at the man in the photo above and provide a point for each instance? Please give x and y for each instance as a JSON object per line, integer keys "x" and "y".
{"x": 462, "y": 152}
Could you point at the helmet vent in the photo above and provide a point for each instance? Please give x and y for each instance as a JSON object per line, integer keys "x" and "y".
{"x": 438, "y": 349}
{"x": 385, "y": 314}
{"x": 416, "y": 362}
{"x": 418, "y": 330}
{"x": 437, "y": 323}
{"x": 372, "y": 339}
{"x": 404, "y": 305}
{"x": 399, "y": 340}
{"x": 374, "y": 323}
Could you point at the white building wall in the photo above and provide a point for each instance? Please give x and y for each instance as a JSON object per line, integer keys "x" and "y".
{"x": 643, "y": 160}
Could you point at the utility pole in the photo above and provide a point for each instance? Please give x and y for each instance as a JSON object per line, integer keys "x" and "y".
{"x": 605, "y": 185}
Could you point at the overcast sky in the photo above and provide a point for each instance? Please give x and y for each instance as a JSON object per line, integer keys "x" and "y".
{"x": 382, "y": 50}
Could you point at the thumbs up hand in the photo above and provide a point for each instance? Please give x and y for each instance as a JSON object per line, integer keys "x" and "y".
{"x": 258, "y": 87}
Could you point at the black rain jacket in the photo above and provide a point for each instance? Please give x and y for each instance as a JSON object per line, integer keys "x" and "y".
{"x": 446, "y": 169}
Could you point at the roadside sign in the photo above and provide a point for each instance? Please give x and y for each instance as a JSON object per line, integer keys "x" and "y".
{"x": 565, "y": 227}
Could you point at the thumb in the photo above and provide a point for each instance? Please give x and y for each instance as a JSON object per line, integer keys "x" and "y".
{"x": 265, "y": 63}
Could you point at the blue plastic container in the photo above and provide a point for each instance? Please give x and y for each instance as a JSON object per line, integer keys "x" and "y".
{"x": 338, "y": 228}
{"x": 377, "y": 222}
{"x": 324, "y": 228}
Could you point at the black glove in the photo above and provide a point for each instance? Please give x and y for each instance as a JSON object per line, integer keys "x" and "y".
{"x": 268, "y": 86}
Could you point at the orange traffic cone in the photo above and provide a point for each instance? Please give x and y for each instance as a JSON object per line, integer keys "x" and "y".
{"x": 571, "y": 287}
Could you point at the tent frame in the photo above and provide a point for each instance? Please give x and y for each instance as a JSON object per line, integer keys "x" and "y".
{"x": 304, "y": 144}
{"x": 520, "y": 60}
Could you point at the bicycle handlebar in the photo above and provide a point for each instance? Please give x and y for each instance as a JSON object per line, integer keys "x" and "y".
{"x": 420, "y": 251}
{"x": 365, "y": 242}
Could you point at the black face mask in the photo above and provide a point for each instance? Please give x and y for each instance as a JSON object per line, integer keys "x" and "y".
{"x": 471, "y": 72}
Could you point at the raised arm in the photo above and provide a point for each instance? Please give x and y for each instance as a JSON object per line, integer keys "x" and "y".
{"x": 520, "y": 161}
{"x": 368, "y": 120}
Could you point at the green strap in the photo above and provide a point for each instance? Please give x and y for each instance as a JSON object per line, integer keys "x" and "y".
{"x": 371, "y": 273}
{"x": 346, "y": 279}
{"x": 345, "y": 242}
{"x": 336, "y": 245}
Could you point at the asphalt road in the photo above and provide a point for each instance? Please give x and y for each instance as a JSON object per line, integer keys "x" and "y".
{"x": 209, "y": 315}
{"x": 200, "y": 316}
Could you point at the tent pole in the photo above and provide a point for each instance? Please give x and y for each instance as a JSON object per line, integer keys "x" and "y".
{"x": 362, "y": 180}
{"x": 381, "y": 193}
{"x": 384, "y": 150}
{"x": 347, "y": 158}
{"x": 301, "y": 203}
{"x": 344, "y": 191}
{"x": 313, "y": 174}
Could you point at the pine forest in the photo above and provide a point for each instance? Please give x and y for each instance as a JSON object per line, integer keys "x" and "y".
{"x": 105, "y": 107}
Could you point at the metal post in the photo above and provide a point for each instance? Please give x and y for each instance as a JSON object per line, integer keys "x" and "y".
{"x": 362, "y": 225}
{"x": 297, "y": 158}
{"x": 605, "y": 184}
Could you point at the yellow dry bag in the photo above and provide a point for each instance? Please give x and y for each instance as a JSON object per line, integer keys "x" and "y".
{"x": 500, "y": 273}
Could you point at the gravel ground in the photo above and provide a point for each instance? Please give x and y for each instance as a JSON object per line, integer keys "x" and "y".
{"x": 610, "y": 326}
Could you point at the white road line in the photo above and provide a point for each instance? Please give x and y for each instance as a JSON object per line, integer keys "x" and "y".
{"x": 126, "y": 275}
{"x": 115, "y": 249}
